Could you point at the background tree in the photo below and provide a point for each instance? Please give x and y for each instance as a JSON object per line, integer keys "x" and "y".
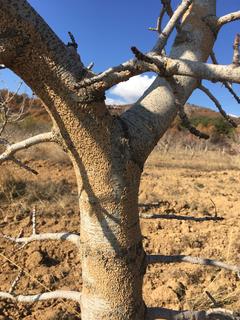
{"x": 108, "y": 153}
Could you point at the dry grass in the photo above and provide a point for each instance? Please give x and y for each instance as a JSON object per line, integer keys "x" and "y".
{"x": 184, "y": 179}
{"x": 50, "y": 152}
{"x": 212, "y": 160}
{"x": 13, "y": 188}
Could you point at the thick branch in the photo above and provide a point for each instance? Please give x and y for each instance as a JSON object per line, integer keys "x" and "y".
{"x": 165, "y": 66}
{"x": 169, "y": 10}
{"x": 68, "y": 236}
{"x": 163, "y": 313}
{"x": 58, "y": 294}
{"x": 21, "y": 29}
{"x": 49, "y": 67}
{"x": 225, "y": 83}
{"x": 228, "y": 18}
{"x": 194, "y": 260}
{"x": 13, "y": 148}
{"x": 151, "y": 115}
{"x": 236, "y": 60}
{"x": 117, "y": 74}
{"x": 163, "y": 37}
{"x": 198, "y": 70}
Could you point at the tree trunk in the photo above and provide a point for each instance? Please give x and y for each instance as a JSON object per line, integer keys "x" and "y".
{"x": 112, "y": 255}
{"x": 113, "y": 261}
{"x": 107, "y": 152}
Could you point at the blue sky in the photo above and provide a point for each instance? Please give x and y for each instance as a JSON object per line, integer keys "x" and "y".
{"x": 105, "y": 30}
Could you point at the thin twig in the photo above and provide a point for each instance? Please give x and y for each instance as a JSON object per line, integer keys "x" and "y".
{"x": 68, "y": 236}
{"x": 5, "y": 110}
{"x": 163, "y": 37}
{"x": 168, "y": 8}
{"x": 90, "y": 66}
{"x": 158, "y": 27}
{"x": 187, "y": 123}
{"x": 24, "y": 144}
{"x": 214, "y": 302}
{"x": 5, "y": 295}
{"x": 73, "y": 42}
{"x": 215, "y": 208}
{"x": 194, "y": 260}
{"x": 34, "y": 221}
{"x": 144, "y": 57}
{"x": 15, "y": 282}
{"x": 22, "y": 165}
{"x": 218, "y": 105}
{"x": 143, "y": 215}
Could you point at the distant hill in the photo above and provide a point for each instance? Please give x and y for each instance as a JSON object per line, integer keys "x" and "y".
{"x": 204, "y": 119}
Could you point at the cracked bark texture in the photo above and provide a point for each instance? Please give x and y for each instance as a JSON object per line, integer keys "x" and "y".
{"x": 108, "y": 153}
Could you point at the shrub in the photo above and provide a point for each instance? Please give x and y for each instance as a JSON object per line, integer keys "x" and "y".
{"x": 220, "y": 125}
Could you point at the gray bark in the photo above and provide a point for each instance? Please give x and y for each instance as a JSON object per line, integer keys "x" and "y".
{"x": 152, "y": 114}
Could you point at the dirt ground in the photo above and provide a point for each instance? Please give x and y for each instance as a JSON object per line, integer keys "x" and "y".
{"x": 182, "y": 192}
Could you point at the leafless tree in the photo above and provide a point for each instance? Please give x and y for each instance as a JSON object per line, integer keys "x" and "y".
{"x": 108, "y": 153}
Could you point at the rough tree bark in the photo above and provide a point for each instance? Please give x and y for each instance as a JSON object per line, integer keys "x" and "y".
{"x": 108, "y": 153}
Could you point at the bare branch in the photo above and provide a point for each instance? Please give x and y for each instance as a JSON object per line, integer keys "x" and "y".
{"x": 197, "y": 70}
{"x": 226, "y": 84}
{"x": 21, "y": 164}
{"x": 194, "y": 260}
{"x": 178, "y": 217}
{"x": 163, "y": 313}
{"x": 117, "y": 74}
{"x": 163, "y": 65}
{"x": 228, "y": 18}
{"x": 168, "y": 8}
{"x": 58, "y": 294}
{"x": 6, "y": 116}
{"x": 218, "y": 105}
{"x": 154, "y": 60}
{"x": 34, "y": 221}
{"x": 213, "y": 300}
{"x": 12, "y": 149}
{"x": 68, "y": 236}
{"x": 73, "y": 42}
{"x": 158, "y": 27}
{"x": 183, "y": 116}
{"x": 90, "y": 66}
{"x": 146, "y": 58}
{"x": 15, "y": 282}
{"x": 163, "y": 37}
{"x": 236, "y": 44}
{"x": 187, "y": 123}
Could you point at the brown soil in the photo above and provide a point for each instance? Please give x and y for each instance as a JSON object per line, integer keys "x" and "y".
{"x": 173, "y": 186}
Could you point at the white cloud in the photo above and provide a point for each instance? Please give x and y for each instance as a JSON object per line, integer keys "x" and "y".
{"x": 233, "y": 115}
{"x": 129, "y": 91}
{"x": 113, "y": 101}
